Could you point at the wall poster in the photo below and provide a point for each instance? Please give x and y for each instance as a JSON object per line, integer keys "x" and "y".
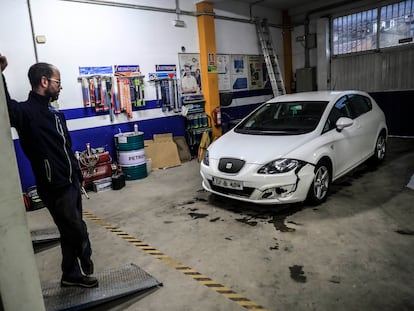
{"x": 239, "y": 72}
{"x": 223, "y": 65}
{"x": 190, "y": 73}
{"x": 256, "y": 72}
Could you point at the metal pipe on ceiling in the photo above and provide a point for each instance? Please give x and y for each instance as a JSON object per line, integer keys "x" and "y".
{"x": 172, "y": 11}
{"x": 133, "y": 6}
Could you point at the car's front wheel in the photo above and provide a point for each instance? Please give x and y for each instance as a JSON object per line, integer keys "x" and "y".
{"x": 319, "y": 188}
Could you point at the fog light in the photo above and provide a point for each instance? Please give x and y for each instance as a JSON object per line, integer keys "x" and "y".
{"x": 268, "y": 194}
{"x": 282, "y": 191}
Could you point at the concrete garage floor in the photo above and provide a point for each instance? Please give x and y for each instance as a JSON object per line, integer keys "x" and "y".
{"x": 354, "y": 252}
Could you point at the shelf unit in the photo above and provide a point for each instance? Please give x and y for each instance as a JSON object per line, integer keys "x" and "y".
{"x": 197, "y": 121}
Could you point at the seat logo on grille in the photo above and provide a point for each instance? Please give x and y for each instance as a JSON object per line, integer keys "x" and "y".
{"x": 229, "y": 165}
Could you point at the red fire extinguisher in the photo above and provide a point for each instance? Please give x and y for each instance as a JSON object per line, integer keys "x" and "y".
{"x": 217, "y": 116}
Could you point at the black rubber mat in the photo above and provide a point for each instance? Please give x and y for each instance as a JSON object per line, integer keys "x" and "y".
{"x": 45, "y": 235}
{"x": 113, "y": 284}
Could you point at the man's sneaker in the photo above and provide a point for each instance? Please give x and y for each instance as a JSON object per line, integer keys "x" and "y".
{"x": 83, "y": 281}
{"x": 87, "y": 266}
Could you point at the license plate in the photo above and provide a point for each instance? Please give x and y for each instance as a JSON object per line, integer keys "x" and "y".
{"x": 227, "y": 183}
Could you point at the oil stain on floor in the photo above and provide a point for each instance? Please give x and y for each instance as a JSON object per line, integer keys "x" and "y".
{"x": 297, "y": 274}
{"x": 251, "y": 214}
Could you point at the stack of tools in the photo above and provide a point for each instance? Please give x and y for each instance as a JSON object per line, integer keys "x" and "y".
{"x": 95, "y": 165}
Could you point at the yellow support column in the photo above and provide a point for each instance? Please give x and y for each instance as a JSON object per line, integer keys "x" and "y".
{"x": 208, "y": 60}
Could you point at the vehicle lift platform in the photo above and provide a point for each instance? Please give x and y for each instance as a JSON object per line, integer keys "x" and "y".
{"x": 45, "y": 235}
{"x": 113, "y": 284}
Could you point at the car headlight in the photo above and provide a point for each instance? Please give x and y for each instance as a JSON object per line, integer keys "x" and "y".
{"x": 206, "y": 159}
{"x": 280, "y": 166}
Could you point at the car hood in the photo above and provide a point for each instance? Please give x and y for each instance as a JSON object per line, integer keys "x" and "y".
{"x": 259, "y": 149}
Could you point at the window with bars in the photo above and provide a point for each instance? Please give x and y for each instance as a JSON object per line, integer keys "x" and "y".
{"x": 386, "y": 26}
{"x": 396, "y": 24}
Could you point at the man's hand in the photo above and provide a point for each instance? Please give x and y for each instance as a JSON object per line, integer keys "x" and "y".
{"x": 3, "y": 62}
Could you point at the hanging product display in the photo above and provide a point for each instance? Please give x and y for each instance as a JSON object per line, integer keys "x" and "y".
{"x": 96, "y": 85}
{"x": 166, "y": 87}
{"x": 138, "y": 94}
{"x": 115, "y": 97}
{"x": 85, "y": 92}
{"x": 113, "y": 89}
{"x": 166, "y": 97}
{"x": 91, "y": 81}
{"x": 167, "y": 92}
{"x": 104, "y": 95}
{"x": 125, "y": 96}
{"x": 131, "y": 76}
{"x": 96, "y": 89}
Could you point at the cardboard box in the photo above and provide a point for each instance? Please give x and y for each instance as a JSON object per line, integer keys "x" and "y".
{"x": 183, "y": 150}
{"x": 162, "y": 150}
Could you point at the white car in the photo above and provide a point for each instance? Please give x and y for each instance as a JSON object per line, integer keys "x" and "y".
{"x": 292, "y": 147}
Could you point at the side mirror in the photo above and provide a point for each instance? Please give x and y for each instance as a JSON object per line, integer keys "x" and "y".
{"x": 343, "y": 122}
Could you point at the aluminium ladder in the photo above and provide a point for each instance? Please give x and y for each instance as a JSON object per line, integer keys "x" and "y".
{"x": 272, "y": 64}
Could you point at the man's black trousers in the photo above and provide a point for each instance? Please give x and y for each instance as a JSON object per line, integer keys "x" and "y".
{"x": 65, "y": 206}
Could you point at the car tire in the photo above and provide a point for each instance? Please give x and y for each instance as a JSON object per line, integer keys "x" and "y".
{"x": 321, "y": 183}
{"x": 380, "y": 149}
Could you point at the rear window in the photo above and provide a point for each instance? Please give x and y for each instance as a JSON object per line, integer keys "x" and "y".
{"x": 284, "y": 118}
{"x": 359, "y": 105}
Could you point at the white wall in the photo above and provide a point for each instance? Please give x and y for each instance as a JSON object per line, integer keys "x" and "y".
{"x": 94, "y": 35}
{"x": 16, "y": 43}
{"x": 245, "y": 34}
{"x": 298, "y": 48}
{"x": 236, "y": 37}
{"x": 80, "y": 34}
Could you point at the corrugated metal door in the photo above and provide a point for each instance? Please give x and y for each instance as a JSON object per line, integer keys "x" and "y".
{"x": 374, "y": 72}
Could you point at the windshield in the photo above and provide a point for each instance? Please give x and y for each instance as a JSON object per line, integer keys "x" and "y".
{"x": 288, "y": 118}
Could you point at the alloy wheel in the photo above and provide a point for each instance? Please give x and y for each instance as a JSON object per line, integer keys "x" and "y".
{"x": 321, "y": 182}
{"x": 380, "y": 147}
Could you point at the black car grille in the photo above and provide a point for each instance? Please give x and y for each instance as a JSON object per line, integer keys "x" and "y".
{"x": 246, "y": 192}
{"x": 230, "y": 165}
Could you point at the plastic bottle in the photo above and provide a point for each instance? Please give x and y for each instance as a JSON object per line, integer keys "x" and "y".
{"x": 136, "y": 128}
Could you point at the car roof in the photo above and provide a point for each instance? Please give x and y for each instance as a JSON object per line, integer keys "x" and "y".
{"x": 315, "y": 96}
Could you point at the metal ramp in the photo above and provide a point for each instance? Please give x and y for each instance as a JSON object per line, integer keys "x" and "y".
{"x": 45, "y": 235}
{"x": 113, "y": 284}
{"x": 272, "y": 64}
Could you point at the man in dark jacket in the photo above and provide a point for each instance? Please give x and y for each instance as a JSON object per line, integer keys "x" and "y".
{"x": 45, "y": 140}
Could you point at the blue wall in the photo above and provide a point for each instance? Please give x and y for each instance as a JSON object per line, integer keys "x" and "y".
{"x": 102, "y": 137}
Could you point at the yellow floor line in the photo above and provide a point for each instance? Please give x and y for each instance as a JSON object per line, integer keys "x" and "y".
{"x": 201, "y": 278}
